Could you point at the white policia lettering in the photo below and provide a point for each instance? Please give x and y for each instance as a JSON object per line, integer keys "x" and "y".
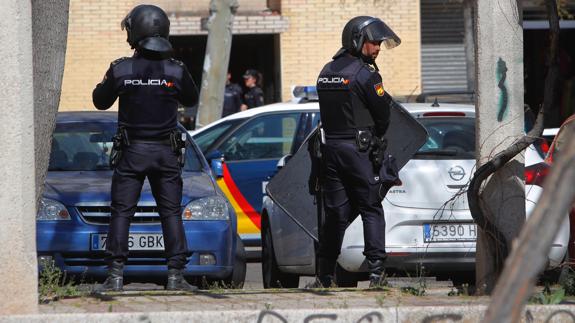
{"x": 155, "y": 82}
{"x": 331, "y": 80}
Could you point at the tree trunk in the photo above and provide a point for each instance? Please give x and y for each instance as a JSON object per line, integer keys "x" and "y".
{"x": 529, "y": 257}
{"x": 499, "y": 123}
{"x": 216, "y": 60}
{"x": 49, "y": 33}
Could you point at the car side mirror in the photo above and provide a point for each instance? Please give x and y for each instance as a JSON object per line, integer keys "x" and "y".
{"x": 217, "y": 165}
{"x": 216, "y": 161}
{"x": 283, "y": 161}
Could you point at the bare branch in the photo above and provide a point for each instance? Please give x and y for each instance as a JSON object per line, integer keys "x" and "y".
{"x": 530, "y": 257}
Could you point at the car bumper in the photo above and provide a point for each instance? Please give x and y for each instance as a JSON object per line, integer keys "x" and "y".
{"x": 434, "y": 260}
{"x": 69, "y": 245}
{"x": 406, "y": 247}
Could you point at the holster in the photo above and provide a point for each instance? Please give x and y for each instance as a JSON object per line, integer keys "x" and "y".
{"x": 363, "y": 140}
{"x": 314, "y": 150}
{"x": 119, "y": 142}
{"x": 377, "y": 152}
{"x": 178, "y": 143}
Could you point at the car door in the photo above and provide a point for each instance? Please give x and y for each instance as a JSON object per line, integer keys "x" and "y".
{"x": 300, "y": 249}
{"x": 251, "y": 154}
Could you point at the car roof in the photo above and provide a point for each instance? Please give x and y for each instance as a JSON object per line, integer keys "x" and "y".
{"x": 274, "y": 107}
{"x": 413, "y": 108}
{"x": 87, "y": 116}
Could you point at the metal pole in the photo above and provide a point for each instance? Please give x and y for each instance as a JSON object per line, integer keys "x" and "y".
{"x": 216, "y": 60}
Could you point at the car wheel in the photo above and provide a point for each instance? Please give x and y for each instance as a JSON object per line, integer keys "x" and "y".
{"x": 271, "y": 275}
{"x": 344, "y": 278}
{"x": 238, "y": 276}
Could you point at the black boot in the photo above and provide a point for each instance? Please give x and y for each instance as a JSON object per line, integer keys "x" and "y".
{"x": 377, "y": 278}
{"x": 323, "y": 281}
{"x": 115, "y": 280}
{"x": 324, "y": 276}
{"x": 176, "y": 281}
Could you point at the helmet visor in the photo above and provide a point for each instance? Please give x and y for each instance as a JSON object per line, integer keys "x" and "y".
{"x": 379, "y": 31}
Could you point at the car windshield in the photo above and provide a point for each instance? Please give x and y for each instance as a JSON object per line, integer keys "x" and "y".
{"x": 449, "y": 138}
{"x": 206, "y": 138}
{"x": 81, "y": 146}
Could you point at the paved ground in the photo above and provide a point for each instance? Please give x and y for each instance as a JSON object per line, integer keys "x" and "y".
{"x": 440, "y": 302}
{"x": 145, "y": 297}
{"x": 220, "y": 300}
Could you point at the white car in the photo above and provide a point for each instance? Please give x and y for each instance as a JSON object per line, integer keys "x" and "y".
{"x": 428, "y": 222}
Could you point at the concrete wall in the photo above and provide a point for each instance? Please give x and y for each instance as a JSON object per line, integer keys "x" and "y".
{"x": 18, "y": 268}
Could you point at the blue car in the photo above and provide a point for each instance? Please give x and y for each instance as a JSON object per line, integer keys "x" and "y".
{"x": 73, "y": 217}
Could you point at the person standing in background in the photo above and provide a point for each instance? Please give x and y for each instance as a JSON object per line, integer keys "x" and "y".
{"x": 232, "y": 97}
{"x": 254, "y": 96}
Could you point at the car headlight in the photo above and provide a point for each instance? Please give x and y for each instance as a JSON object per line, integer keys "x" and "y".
{"x": 50, "y": 210}
{"x": 207, "y": 208}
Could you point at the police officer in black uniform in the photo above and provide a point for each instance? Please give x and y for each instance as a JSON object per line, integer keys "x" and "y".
{"x": 150, "y": 85}
{"x": 232, "y": 97}
{"x": 254, "y": 96}
{"x": 355, "y": 112}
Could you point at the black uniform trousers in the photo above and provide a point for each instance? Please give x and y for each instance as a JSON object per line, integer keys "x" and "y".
{"x": 159, "y": 163}
{"x": 350, "y": 187}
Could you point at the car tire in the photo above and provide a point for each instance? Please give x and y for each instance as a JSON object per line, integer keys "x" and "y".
{"x": 238, "y": 276}
{"x": 344, "y": 278}
{"x": 271, "y": 274}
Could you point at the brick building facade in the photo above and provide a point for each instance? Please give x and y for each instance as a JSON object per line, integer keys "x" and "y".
{"x": 294, "y": 38}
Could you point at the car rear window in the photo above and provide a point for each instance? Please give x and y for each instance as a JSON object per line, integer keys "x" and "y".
{"x": 449, "y": 138}
{"x": 83, "y": 146}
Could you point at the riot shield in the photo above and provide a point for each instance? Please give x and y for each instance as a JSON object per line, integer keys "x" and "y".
{"x": 290, "y": 189}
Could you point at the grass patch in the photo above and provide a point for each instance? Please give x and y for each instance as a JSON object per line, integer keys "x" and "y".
{"x": 548, "y": 296}
{"x": 53, "y": 284}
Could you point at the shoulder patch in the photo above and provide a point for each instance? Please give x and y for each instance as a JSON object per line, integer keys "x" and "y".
{"x": 121, "y": 59}
{"x": 173, "y": 60}
{"x": 379, "y": 89}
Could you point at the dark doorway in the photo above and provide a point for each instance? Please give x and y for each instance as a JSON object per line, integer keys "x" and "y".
{"x": 536, "y": 43}
{"x": 260, "y": 52}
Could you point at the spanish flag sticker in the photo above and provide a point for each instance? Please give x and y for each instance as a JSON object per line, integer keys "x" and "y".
{"x": 379, "y": 89}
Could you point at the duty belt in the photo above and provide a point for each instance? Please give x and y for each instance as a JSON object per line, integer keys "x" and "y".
{"x": 152, "y": 141}
{"x": 165, "y": 142}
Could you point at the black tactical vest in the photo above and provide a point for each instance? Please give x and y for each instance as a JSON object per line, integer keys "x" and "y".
{"x": 343, "y": 109}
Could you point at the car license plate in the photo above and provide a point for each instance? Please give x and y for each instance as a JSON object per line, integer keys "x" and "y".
{"x": 136, "y": 241}
{"x": 447, "y": 232}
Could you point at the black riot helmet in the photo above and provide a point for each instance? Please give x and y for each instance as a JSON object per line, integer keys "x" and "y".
{"x": 366, "y": 28}
{"x": 148, "y": 28}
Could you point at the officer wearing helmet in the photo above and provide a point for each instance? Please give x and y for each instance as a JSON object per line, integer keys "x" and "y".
{"x": 355, "y": 112}
{"x": 149, "y": 85}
